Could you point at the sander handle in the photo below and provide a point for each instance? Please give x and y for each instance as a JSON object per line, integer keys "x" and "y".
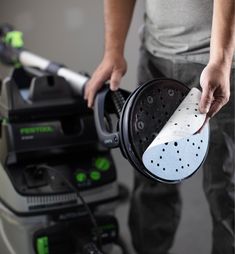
{"x": 110, "y": 140}
{"x": 108, "y": 102}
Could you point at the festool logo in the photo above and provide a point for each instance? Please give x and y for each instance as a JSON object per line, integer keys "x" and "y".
{"x": 36, "y": 130}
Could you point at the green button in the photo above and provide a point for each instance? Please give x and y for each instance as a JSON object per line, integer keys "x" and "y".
{"x": 42, "y": 245}
{"x": 102, "y": 163}
{"x": 81, "y": 177}
{"x": 95, "y": 175}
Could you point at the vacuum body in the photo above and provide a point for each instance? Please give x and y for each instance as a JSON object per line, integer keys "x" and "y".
{"x": 43, "y": 122}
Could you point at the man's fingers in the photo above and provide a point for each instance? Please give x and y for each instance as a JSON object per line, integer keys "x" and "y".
{"x": 90, "y": 99}
{"x": 92, "y": 87}
{"x": 115, "y": 80}
{"x": 216, "y": 105}
{"x": 86, "y": 91}
{"x": 112, "y": 67}
{"x": 91, "y": 95}
{"x": 206, "y": 100}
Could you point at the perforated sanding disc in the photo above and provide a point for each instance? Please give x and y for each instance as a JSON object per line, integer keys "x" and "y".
{"x": 165, "y": 144}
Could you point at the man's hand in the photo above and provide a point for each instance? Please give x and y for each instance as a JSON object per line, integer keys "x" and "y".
{"x": 215, "y": 78}
{"x": 113, "y": 67}
{"x": 215, "y": 83}
{"x": 117, "y": 17}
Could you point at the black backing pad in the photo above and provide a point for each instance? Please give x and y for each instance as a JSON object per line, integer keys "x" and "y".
{"x": 152, "y": 107}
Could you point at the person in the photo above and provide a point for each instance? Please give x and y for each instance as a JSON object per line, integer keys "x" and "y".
{"x": 193, "y": 42}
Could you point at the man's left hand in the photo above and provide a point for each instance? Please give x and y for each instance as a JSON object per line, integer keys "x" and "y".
{"x": 215, "y": 83}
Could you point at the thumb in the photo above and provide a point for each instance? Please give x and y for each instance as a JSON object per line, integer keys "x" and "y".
{"x": 206, "y": 100}
{"x": 115, "y": 80}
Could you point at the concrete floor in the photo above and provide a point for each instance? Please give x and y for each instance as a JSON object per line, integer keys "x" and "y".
{"x": 194, "y": 232}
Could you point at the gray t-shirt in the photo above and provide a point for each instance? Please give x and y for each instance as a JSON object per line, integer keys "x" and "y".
{"x": 179, "y": 29}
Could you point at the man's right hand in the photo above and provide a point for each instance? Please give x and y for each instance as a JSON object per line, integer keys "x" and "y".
{"x": 113, "y": 67}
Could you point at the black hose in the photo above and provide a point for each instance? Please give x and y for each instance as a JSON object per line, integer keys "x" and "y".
{"x": 118, "y": 100}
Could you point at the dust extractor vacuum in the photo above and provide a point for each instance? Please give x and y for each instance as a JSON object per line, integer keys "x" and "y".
{"x": 58, "y": 186}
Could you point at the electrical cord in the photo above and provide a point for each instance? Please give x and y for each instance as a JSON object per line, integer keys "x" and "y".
{"x": 85, "y": 205}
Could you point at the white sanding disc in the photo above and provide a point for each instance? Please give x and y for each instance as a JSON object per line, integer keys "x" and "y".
{"x": 177, "y": 152}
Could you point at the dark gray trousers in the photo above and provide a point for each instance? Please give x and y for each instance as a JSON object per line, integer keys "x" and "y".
{"x": 156, "y": 207}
